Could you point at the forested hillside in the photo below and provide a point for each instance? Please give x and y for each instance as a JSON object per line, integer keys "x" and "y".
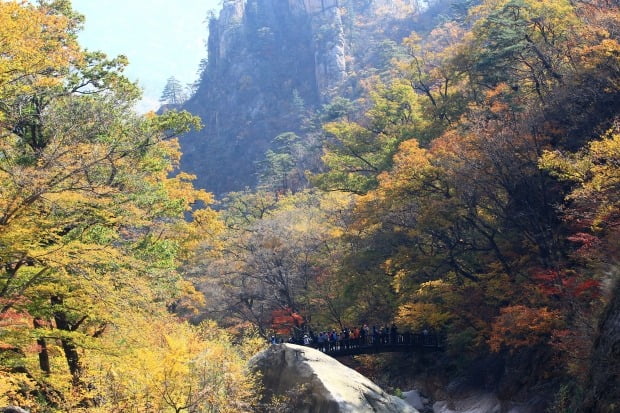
{"x": 452, "y": 167}
{"x": 469, "y": 187}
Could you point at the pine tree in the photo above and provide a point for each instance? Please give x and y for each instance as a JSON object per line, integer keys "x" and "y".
{"x": 174, "y": 93}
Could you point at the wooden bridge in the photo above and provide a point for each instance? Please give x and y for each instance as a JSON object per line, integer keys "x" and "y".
{"x": 408, "y": 342}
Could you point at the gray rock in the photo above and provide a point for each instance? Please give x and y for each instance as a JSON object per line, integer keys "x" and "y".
{"x": 13, "y": 409}
{"x": 479, "y": 403}
{"x": 329, "y": 53}
{"x": 327, "y": 385}
{"x": 414, "y": 398}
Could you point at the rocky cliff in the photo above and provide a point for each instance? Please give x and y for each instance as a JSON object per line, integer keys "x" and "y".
{"x": 603, "y": 390}
{"x": 271, "y": 63}
{"x": 315, "y": 382}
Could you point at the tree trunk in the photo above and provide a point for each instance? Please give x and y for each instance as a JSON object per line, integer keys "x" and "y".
{"x": 44, "y": 358}
{"x": 68, "y": 347}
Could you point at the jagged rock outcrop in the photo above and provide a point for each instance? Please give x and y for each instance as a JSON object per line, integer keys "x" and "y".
{"x": 260, "y": 58}
{"x": 270, "y": 63}
{"x": 316, "y": 382}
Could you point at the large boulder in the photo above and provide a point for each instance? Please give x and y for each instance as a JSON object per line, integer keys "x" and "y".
{"x": 315, "y": 382}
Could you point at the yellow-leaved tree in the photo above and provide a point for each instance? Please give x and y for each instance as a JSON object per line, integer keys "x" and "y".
{"x": 92, "y": 228}
{"x": 174, "y": 367}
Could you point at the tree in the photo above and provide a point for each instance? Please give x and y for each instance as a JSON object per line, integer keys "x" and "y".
{"x": 523, "y": 43}
{"x": 175, "y": 367}
{"x": 356, "y": 152}
{"x": 436, "y": 68}
{"x": 34, "y": 58}
{"x": 270, "y": 256}
{"x": 92, "y": 224}
{"x": 596, "y": 175}
{"x": 283, "y": 168}
{"x": 174, "y": 93}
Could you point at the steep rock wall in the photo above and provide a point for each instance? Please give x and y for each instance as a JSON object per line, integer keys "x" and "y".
{"x": 603, "y": 390}
{"x": 260, "y": 56}
{"x": 270, "y": 63}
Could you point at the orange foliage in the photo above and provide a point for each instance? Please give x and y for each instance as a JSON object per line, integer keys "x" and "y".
{"x": 519, "y": 326}
{"x": 13, "y": 318}
{"x": 283, "y": 321}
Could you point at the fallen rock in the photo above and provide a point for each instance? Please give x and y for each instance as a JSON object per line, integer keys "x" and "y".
{"x": 315, "y": 382}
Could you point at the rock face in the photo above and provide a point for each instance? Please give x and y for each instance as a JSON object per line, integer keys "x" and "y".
{"x": 271, "y": 63}
{"x": 603, "y": 390}
{"x": 415, "y": 399}
{"x": 260, "y": 58}
{"x": 319, "y": 383}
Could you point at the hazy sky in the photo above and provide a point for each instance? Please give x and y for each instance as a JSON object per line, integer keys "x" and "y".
{"x": 161, "y": 38}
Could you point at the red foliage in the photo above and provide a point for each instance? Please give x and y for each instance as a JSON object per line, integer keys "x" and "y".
{"x": 14, "y": 318}
{"x": 589, "y": 244}
{"x": 566, "y": 283}
{"x": 284, "y": 320}
{"x": 549, "y": 281}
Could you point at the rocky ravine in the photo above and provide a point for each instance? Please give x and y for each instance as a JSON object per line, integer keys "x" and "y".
{"x": 318, "y": 383}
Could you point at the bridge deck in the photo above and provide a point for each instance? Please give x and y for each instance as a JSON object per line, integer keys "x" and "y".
{"x": 375, "y": 345}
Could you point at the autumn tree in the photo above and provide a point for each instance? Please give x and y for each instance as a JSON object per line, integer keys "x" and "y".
{"x": 591, "y": 211}
{"x": 356, "y": 152}
{"x": 34, "y": 57}
{"x": 175, "y": 367}
{"x": 92, "y": 222}
{"x": 270, "y": 256}
{"x": 436, "y": 68}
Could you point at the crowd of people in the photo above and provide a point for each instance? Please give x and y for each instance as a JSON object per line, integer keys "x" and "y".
{"x": 346, "y": 338}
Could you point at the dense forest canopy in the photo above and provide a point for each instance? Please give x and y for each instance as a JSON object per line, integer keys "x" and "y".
{"x": 92, "y": 228}
{"x": 471, "y": 189}
{"x": 467, "y": 185}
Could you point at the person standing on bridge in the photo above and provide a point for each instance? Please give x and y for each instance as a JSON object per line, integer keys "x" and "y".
{"x": 355, "y": 337}
{"x": 375, "y": 336}
{"x": 393, "y": 334}
{"x": 321, "y": 341}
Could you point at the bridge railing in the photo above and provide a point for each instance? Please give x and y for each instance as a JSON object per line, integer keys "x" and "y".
{"x": 376, "y": 343}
